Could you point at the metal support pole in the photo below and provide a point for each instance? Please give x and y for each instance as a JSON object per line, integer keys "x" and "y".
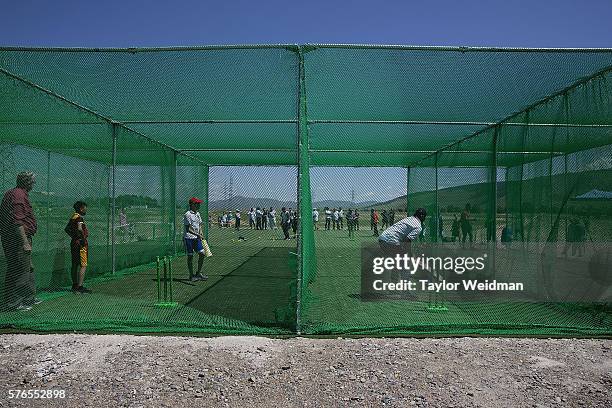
{"x": 437, "y": 204}
{"x": 108, "y": 213}
{"x": 300, "y": 147}
{"x": 170, "y": 277}
{"x": 165, "y": 279}
{"x": 567, "y": 139}
{"x": 565, "y": 195}
{"x": 550, "y": 182}
{"x": 158, "y": 282}
{"x": 493, "y": 224}
{"x": 113, "y": 197}
{"x": 506, "y": 196}
{"x": 173, "y": 201}
{"x": 305, "y": 239}
{"x": 407, "y": 191}
{"x": 436, "y": 301}
{"x": 164, "y": 211}
{"x": 524, "y": 136}
{"x": 48, "y": 222}
{"x": 204, "y": 206}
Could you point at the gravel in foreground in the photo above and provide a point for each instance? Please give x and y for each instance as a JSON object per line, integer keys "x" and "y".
{"x": 144, "y": 371}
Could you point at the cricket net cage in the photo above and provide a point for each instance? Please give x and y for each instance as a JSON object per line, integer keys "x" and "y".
{"x": 521, "y": 137}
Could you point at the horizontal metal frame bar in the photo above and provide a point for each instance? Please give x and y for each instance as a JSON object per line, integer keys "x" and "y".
{"x": 397, "y": 167}
{"x": 307, "y": 46}
{"x": 154, "y": 49}
{"x": 426, "y": 151}
{"x": 236, "y": 150}
{"x": 394, "y": 122}
{"x": 456, "y": 48}
{"x": 310, "y": 150}
{"x": 362, "y": 151}
{"x": 65, "y": 152}
{"x": 315, "y": 122}
{"x": 76, "y": 150}
{"x": 570, "y": 125}
{"x": 54, "y": 123}
{"x": 209, "y": 121}
{"x": 425, "y": 122}
{"x": 138, "y": 149}
{"x": 510, "y": 152}
{"x": 290, "y": 166}
{"x": 127, "y": 151}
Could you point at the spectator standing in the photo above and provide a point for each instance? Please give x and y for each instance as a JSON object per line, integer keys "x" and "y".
{"x": 237, "y": 225}
{"x": 258, "y": 216}
{"x": 336, "y": 217}
{"x": 79, "y": 247}
{"x": 272, "y": 218}
{"x": 17, "y": 227}
{"x": 251, "y": 215}
{"x": 374, "y": 219}
{"x": 285, "y": 222}
{"x": 328, "y": 218}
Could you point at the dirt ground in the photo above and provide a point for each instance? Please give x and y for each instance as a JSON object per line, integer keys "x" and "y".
{"x": 144, "y": 371}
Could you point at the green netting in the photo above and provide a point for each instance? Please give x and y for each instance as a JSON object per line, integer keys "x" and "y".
{"x": 519, "y": 139}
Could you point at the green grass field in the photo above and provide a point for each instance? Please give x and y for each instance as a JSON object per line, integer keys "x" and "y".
{"x": 335, "y": 304}
{"x": 248, "y": 291}
{"x": 252, "y": 289}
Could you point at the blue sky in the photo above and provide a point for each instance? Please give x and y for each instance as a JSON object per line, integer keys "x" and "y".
{"x": 111, "y": 23}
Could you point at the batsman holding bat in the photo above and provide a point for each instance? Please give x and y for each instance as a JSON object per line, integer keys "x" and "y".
{"x": 194, "y": 241}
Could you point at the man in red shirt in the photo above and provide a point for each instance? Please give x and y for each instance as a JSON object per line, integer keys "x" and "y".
{"x": 374, "y": 221}
{"x": 17, "y": 227}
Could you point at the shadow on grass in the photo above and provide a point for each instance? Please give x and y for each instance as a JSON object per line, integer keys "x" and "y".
{"x": 259, "y": 291}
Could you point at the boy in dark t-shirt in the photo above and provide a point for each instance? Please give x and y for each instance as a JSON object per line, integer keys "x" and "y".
{"x": 78, "y": 233}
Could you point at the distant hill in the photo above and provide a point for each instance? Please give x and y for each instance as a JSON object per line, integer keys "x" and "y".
{"x": 41, "y": 198}
{"x": 341, "y": 203}
{"x": 453, "y": 199}
{"x": 536, "y": 196}
{"x": 245, "y": 203}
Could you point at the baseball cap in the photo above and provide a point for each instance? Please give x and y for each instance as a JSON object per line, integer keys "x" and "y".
{"x": 195, "y": 200}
